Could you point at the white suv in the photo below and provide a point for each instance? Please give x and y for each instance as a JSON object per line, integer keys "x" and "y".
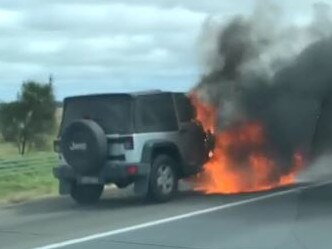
{"x": 149, "y": 139}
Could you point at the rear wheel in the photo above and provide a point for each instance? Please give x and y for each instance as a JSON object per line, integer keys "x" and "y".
{"x": 163, "y": 179}
{"x": 86, "y": 194}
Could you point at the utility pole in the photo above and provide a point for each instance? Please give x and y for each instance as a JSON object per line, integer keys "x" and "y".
{"x": 50, "y": 79}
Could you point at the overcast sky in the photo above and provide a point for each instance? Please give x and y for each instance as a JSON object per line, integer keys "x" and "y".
{"x": 111, "y": 46}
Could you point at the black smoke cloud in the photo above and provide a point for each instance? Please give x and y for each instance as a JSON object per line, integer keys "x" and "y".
{"x": 278, "y": 75}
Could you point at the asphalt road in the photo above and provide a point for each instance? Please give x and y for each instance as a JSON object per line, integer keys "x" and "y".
{"x": 298, "y": 217}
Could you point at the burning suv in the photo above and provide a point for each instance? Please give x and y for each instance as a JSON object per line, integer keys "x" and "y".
{"x": 150, "y": 139}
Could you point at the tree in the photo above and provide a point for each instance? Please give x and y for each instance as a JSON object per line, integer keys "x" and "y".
{"x": 31, "y": 116}
{"x": 12, "y": 119}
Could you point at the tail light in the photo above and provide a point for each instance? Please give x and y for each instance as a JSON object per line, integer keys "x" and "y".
{"x": 128, "y": 143}
{"x": 56, "y": 146}
{"x": 132, "y": 170}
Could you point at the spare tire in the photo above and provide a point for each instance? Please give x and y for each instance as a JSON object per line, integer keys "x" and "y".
{"x": 84, "y": 146}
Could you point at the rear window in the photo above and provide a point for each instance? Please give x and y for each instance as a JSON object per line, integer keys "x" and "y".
{"x": 112, "y": 113}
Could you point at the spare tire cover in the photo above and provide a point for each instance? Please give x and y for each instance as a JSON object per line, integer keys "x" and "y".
{"x": 84, "y": 146}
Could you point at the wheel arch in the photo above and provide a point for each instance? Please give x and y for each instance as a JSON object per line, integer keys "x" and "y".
{"x": 157, "y": 147}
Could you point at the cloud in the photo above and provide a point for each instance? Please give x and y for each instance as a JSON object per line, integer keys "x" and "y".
{"x": 97, "y": 42}
{"x": 134, "y": 45}
{"x": 97, "y": 19}
{"x": 9, "y": 18}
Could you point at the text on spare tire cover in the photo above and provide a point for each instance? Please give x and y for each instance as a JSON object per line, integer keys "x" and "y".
{"x": 78, "y": 146}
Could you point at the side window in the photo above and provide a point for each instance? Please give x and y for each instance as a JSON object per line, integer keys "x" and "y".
{"x": 184, "y": 107}
{"x": 155, "y": 113}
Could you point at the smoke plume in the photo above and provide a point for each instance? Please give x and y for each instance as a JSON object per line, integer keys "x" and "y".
{"x": 319, "y": 169}
{"x": 259, "y": 68}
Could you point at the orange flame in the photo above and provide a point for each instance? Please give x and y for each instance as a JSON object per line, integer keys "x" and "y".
{"x": 239, "y": 162}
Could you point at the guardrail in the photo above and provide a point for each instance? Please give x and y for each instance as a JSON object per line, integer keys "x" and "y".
{"x": 27, "y": 164}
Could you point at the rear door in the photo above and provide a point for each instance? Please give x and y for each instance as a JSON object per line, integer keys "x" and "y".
{"x": 112, "y": 112}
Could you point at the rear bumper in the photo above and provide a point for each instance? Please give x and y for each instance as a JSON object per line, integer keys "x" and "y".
{"x": 112, "y": 172}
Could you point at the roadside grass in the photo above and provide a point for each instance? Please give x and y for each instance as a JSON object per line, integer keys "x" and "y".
{"x": 25, "y": 177}
{"x": 7, "y": 149}
{"x": 29, "y": 176}
{"x": 23, "y": 187}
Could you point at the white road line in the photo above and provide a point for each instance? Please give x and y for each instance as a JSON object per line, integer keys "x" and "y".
{"x": 177, "y": 217}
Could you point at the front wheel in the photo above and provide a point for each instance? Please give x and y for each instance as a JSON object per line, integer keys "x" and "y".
{"x": 163, "y": 179}
{"x": 86, "y": 194}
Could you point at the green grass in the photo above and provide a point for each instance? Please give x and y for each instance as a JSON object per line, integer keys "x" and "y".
{"x": 7, "y": 149}
{"x": 22, "y": 187}
{"x": 25, "y": 177}
{"x": 34, "y": 178}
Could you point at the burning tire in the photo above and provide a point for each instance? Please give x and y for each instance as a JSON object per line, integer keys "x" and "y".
{"x": 163, "y": 179}
{"x": 86, "y": 194}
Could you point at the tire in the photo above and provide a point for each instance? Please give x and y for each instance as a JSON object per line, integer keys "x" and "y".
{"x": 84, "y": 146}
{"x": 163, "y": 180}
{"x": 86, "y": 194}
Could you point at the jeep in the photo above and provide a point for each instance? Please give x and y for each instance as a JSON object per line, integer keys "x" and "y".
{"x": 149, "y": 139}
